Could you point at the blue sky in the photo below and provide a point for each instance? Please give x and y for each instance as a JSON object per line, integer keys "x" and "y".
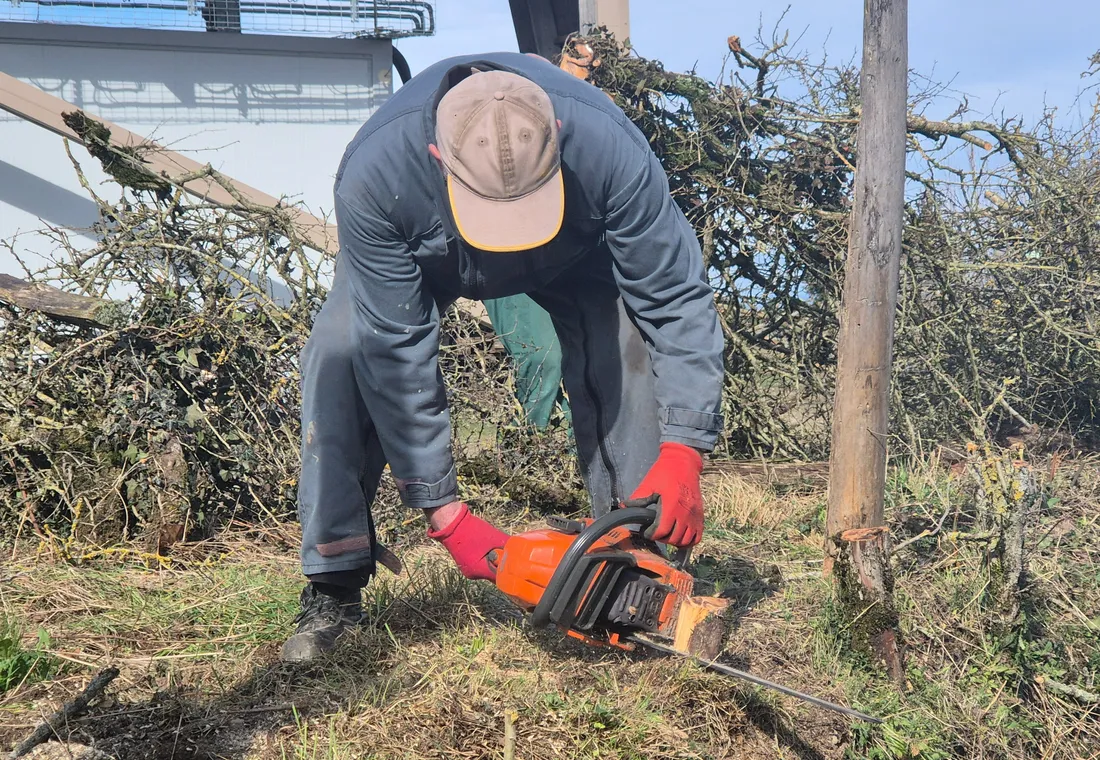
{"x": 1009, "y": 56}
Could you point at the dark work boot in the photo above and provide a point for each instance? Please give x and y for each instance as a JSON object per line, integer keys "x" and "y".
{"x": 327, "y": 613}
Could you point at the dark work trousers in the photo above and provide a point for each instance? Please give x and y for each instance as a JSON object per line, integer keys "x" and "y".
{"x": 607, "y": 375}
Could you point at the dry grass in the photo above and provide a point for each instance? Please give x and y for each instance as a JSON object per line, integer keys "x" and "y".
{"x": 734, "y": 499}
{"x": 444, "y": 661}
{"x": 431, "y": 677}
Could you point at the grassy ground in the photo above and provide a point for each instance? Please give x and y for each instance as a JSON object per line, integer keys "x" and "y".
{"x": 444, "y": 662}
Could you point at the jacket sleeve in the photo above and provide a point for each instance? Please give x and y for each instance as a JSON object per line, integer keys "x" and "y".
{"x": 661, "y": 275}
{"x": 395, "y": 324}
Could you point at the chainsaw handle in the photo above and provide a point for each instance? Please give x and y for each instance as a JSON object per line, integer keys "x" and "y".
{"x": 599, "y": 528}
{"x": 682, "y": 555}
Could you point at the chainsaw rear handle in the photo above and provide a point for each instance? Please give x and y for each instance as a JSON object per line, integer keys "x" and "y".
{"x": 643, "y": 516}
{"x": 682, "y": 555}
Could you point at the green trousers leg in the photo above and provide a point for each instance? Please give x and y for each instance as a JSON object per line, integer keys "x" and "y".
{"x": 528, "y": 335}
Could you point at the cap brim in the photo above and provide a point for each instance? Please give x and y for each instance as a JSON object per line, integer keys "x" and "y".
{"x": 514, "y": 225}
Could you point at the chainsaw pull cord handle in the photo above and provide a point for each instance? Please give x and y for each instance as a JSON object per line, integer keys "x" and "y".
{"x": 643, "y": 516}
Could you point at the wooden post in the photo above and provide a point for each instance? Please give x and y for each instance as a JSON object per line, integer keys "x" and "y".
{"x": 614, "y": 14}
{"x": 857, "y": 543}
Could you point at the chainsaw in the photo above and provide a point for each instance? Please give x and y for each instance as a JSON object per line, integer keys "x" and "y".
{"x": 602, "y": 582}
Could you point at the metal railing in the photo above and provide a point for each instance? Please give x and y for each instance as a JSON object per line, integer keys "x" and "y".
{"x": 385, "y": 19}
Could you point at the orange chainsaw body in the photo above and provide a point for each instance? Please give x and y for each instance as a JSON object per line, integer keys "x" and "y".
{"x": 602, "y": 582}
{"x": 529, "y": 561}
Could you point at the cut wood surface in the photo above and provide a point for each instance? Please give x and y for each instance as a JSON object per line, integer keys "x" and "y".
{"x": 866, "y": 593}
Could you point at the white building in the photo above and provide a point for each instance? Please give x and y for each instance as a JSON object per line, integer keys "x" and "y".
{"x": 274, "y": 111}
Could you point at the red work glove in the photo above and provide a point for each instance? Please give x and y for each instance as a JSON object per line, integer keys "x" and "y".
{"x": 675, "y": 478}
{"x": 470, "y": 539}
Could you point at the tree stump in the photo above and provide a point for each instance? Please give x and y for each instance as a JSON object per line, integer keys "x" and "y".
{"x": 864, "y": 588}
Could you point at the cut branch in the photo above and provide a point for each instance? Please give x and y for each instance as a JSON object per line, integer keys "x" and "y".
{"x": 67, "y": 712}
{"x": 67, "y": 307}
{"x": 1070, "y": 691}
{"x": 960, "y": 129}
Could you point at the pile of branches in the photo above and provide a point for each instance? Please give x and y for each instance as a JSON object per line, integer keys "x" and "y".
{"x": 157, "y": 392}
{"x": 170, "y": 403}
{"x": 173, "y": 398}
{"x": 1000, "y": 283}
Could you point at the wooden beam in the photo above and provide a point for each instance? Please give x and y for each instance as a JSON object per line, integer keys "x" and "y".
{"x": 45, "y": 110}
{"x": 67, "y": 307}
{"x": 861, "y": 413}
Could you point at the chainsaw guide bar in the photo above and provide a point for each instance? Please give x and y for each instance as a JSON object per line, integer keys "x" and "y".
{"x": 603, "y": 582}
{"x": 744, "y": 676}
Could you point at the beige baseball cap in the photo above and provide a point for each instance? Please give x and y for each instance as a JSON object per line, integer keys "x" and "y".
{"x": 498, "y": 138}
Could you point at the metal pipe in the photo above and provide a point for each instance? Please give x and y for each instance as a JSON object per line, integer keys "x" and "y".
{"x": 402, "y": 65}
{"x": 420, "y": 15}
